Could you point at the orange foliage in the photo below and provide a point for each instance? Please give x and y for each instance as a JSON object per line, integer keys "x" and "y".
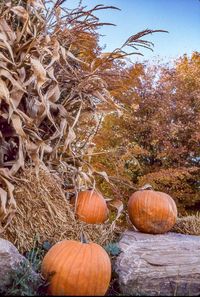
{"x": 156, "y": 139}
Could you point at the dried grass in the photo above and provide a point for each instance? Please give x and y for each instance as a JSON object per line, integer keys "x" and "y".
{"x": 188, "y": 225}
{"x": 47, "y": 82}
{"x": 44, "y": 87}
{"x": 44, "y": 212}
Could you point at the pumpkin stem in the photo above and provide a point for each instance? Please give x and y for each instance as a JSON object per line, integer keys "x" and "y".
{"x": 91, "y": 189}
{"x": 83, "y": 237}
{"x": 146, "y": 187}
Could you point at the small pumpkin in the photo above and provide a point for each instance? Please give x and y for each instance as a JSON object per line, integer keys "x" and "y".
{"x": 76, "y": 268}
{"x": 152, "y": 211}
{"x": 91, "y": 207}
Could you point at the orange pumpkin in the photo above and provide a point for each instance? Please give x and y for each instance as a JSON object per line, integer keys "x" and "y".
{"x": 77, "y": 269}
{"x": 91, "y": 207}
{"x": 152, "y": 211}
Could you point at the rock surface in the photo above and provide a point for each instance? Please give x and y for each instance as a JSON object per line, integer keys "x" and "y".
{"x": 159, "y": 265}
{"x": 10, "y": 260}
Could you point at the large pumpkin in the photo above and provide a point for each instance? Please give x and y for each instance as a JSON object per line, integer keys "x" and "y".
{"x": 91, "y": 207}
{"x": 77, "y": 269}
{"x": 152, "y": 211}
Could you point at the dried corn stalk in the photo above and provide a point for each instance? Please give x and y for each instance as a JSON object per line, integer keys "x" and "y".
{"x": 36, "y": 121}
{"x": 45, "y": 86}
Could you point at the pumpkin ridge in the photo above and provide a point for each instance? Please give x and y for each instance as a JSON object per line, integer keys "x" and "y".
{"x": 88, "y": 254}
{"x": 97, "y": 279}
{"x": 73, "y": 263}
{"x": 82, "y": 255}
{"x": 62, "y": 268}
{"x": 99, "y": 216}
{"x": 103, "y": 262}
{"x": 94, "y": 207}
{"x": 106, "y": 259}
{"x": 92, "y": 279}
{"x": 47, "y": 264}
{"x": 101, "y": 279}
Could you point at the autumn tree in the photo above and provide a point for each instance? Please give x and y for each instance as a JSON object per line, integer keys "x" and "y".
{"x": 156, "y": 140}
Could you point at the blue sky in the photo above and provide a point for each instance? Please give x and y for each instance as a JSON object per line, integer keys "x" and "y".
{"x": 180, "y": 17}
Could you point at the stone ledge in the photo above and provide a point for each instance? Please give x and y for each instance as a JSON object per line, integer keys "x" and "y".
{"x": 156, "y": 265}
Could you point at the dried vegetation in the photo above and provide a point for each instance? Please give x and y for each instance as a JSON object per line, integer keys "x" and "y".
{"x": 188, "y": 225}
{"x": 51, "y": 73}
{"x": 44, "y": 88}
{"x": 44, "y": 213}
{"x": 53, "y": 81}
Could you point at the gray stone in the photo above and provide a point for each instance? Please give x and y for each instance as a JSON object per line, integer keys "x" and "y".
{"x": 159, "y": 265}
{"x": 10, "y": 260}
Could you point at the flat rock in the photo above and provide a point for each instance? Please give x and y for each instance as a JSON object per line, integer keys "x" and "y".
{"x": 159, "y": 265}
